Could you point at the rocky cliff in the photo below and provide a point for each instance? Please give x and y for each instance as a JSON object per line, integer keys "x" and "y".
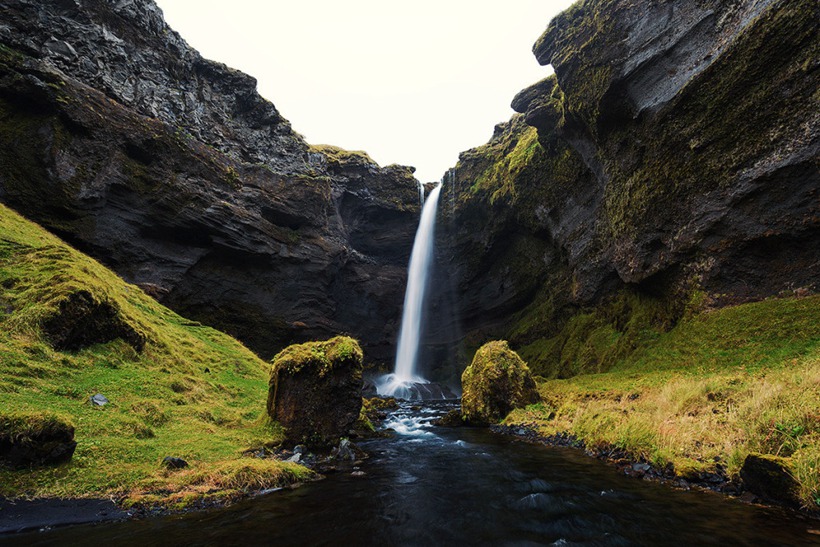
{"x": 172, "y": 170}
{"x": 669, "y": 165}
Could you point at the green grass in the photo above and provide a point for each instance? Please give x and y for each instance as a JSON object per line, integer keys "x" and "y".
{"x": 191, "y": 392}
{"x": 718, "y": 386}
{"x": 339, "y": 155}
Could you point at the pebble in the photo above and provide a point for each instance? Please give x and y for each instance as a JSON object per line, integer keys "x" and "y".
{"x": 98, "y": 399}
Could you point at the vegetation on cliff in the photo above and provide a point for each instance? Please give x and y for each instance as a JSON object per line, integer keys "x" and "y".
{"x": 667, "y": 182}
{"x": 185, "y": 390}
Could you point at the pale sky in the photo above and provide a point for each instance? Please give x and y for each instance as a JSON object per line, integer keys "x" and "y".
{"x": 411, "y": 82}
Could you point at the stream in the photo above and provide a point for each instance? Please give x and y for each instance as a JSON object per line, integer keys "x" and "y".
{"x": 427, "y": 485}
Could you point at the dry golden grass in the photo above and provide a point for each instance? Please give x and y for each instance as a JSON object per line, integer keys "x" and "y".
{"x": 699, "y": 417}
{"x": 218, "y": 482}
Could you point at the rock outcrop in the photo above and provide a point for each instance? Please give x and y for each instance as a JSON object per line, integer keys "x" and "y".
{"x": 670, "y": 163}
{"x": 769, "y": 477}
{"x": 82, "y": 320}
{"x": 496, "y": 382}
{"x": 316, "y": 391}
{"x": 35, "y": 439}
{"x": 174, "y": 172}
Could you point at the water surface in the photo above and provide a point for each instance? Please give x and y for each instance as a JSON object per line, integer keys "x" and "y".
{"x": 438, "y": 486}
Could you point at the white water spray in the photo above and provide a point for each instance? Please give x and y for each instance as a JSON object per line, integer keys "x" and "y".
{"x": 401, "y": 382}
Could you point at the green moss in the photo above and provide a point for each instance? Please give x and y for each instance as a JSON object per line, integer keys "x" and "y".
{"x": 594, "y": 340}
{"x": 364, "y": 424}
{"x": 323, "y": 356}
{"x": 22, "y": 427}
{"x": 508, "y": 158}
{"x": 340, "y": 156}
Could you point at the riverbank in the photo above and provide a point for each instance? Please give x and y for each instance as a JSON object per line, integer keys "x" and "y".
{"x": 18, "y": 516}
{"x": 694, "y": 403}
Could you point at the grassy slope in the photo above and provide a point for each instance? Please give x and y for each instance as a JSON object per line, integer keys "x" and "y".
{"x": 718, "y": 386}
{"x": 163, "y": 400}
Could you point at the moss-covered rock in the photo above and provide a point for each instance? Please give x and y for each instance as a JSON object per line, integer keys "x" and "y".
{"x": 339, "y": 157}
{"x": 769, "y": 477}
{"x": 35, "y": 439}
{"x": 496, "y": 382}
{"x": 315, "y": 391}
{"x": 452, "y": 419}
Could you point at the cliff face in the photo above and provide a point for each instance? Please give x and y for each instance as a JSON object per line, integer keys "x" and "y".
{"x": 670, "y": 164}
{"x": 173, "y": 171}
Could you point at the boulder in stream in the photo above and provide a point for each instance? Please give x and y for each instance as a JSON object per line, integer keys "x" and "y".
{"x": 496, "y": 382}
{"x": 315, "y": 391}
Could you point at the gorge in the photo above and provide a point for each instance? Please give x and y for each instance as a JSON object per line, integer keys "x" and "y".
{"x": 643, "y": 232}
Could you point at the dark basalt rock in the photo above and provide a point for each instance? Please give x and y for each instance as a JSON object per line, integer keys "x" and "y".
{"x": 315, "y": 391}
{"x": 35, "y": 440}
{"x": 174, "y": 172}
{"x": 172, "y": 462}
{"x": 81, "y": 321}
{"x": 675, "y": 149}
{"x": 769, "y": 477}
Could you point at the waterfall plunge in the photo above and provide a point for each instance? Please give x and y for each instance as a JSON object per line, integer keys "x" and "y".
{"x": 404, "y": 382}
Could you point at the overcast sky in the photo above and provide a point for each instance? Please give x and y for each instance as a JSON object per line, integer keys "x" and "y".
{"x": 411, "y": 82}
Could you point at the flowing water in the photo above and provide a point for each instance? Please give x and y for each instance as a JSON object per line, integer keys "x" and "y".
{"x": 427, "y": 485}
{"x": 401, "y": 382}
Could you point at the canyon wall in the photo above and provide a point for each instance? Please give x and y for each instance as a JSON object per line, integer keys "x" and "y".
{"x": 173, "y": 171}
{"x": 670, "y": 165}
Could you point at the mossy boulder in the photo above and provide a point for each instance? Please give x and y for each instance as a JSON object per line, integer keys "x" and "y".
{"x": 315, "y": 391}
{"x": 35, "y": 439}
{"x": 769, "y": 477}
{"x": 496, "y": 382}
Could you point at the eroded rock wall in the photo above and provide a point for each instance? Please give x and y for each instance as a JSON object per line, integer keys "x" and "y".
{"x": 671, "y": 163}
{"x": 173, "y": 171}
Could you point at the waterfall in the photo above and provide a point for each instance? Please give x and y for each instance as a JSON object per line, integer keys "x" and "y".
{"x": 403, "y": 382}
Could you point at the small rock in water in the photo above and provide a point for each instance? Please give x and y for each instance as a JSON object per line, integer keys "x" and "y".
{"x": 295, "y": 458}
{"x": 98, "y": 399}
{"x": 344, "y": 451}
{"x": 369, "y": 389}
{"x": 171, "y": 462}
{"x": 358, "y": 474}
{"x": 641, "y": 467}
{"x": 451, "y": 419}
